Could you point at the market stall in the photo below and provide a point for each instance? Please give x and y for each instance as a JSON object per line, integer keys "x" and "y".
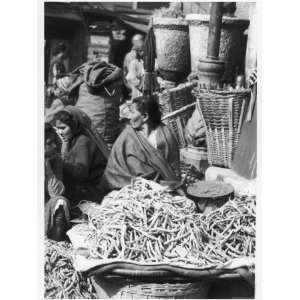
{"x": 171, "y": 239}
{"x": 145, "y": 241}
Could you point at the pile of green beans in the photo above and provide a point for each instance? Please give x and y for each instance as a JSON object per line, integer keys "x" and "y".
{"x": 61, "y": 281}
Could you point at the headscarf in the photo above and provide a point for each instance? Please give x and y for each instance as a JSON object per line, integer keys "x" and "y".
{"x": 82, "y": 123}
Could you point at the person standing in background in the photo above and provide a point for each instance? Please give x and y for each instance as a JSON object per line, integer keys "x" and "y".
{"x": 137, "y": 40}
{"x": 136, "y": 73}
{"x": 57, "y": 67}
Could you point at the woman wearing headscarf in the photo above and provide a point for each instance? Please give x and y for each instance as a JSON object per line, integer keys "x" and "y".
{"x": 84, "y": 155}
{"x": 146, "y": 148}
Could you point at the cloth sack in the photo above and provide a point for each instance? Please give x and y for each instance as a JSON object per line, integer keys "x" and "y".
{"x": 99, "y": 96}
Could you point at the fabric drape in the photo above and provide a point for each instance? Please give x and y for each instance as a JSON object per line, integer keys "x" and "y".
{"x": 133, "y": 156}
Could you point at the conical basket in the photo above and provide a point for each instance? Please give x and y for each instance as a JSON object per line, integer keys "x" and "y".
{"x": 223, "y": 114}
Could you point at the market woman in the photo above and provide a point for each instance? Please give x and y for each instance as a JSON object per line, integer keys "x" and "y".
{"x": 146, "y": 148}
{"x": 84, "y": 155}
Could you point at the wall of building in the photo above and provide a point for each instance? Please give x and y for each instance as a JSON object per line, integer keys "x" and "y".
{"x": 245, "y": 161}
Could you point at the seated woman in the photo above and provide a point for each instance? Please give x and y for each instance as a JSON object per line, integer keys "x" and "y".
{"x": 57, "y": 207}
{"x": 146, "y": 148}
{"x": 84, "y": 155}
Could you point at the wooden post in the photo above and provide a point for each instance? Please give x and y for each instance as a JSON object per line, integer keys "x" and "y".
{"x": 214, "y": 34}
{"x": 211, "y": 68}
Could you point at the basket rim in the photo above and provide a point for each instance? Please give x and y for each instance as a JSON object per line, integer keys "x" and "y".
{"x": 203, "y": 92}
{"x": 179, "y": 111}
{"x": 169, "y": 21}
{"x": 133, "y": 270}
{"x": 120, "y": 273}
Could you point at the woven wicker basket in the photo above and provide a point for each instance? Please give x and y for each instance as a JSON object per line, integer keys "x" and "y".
{"x": 171, "y": 101}
{"x": 232, "y": 46}
{"x": 195, "y": 290}
{"x": 172, "y": 48}
{"x": 177, "y": 121}
{"x": 135, "y": 289}
{"x": 223, "y": 114}
{"x": 176, "y": 98}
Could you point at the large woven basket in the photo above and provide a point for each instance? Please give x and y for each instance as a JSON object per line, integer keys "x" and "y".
{"x": 134, "y": 289}
{"x": 172, "y": 48}
{"x": 166, "y": 290}
{"x": 171, "y": 101}
{"x": 176, "y": 98}
{"x": 232, "y": 42}
{"x": 223, "y": 114}
{"x": 177, "y": 121}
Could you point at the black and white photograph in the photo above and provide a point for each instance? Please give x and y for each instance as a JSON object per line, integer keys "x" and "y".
{"x": 150, "y": 149}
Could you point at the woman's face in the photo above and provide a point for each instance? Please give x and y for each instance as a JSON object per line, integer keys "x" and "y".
{"x": 136, "y": 118}
{"x": 63, "y": 130}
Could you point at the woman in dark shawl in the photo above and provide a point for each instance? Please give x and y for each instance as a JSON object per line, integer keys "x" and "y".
{"x": 146, "y": 148}
{"x": 84, "y": 155}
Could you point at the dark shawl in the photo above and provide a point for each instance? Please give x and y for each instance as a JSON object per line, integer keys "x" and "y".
{"x": 85, "y": 160}
{"x": 84, "y": 125}
{"x": 133, "y": 156}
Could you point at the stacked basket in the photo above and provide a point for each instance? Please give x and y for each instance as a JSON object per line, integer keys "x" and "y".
{"x": 177, "y": 106}
{"x": 172, "y": 48}
{"x": 223, "y": 114}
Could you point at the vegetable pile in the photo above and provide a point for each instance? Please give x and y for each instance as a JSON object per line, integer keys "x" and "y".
{"x": 61, "y": 280}
{"x": 229, "y": 231}
{"x": 144, "y": 223}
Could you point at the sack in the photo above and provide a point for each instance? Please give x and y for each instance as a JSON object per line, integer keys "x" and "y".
{"x": 103, "y": 109}
{"x": 99, "y": 96}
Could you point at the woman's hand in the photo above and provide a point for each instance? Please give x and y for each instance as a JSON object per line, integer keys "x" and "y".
{"x": 60, "y": 135}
